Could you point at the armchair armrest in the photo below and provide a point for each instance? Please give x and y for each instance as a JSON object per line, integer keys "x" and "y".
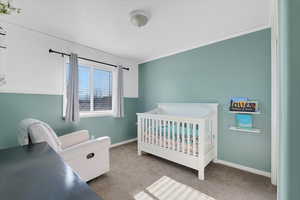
{"x": 74, "y": 138}
{"x": 100, "y": 145}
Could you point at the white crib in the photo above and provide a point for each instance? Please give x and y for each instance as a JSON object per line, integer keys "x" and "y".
{"x": 185, "y": 133}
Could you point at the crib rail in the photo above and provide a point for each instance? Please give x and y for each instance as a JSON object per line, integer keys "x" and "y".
{"x": 155, "y": 114}
{"x": 180, "y": 134}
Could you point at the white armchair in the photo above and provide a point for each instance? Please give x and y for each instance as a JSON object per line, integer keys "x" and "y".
{"x": 88, "y": 157}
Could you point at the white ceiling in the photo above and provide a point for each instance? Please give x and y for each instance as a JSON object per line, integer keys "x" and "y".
{"x": 175, "y": 25}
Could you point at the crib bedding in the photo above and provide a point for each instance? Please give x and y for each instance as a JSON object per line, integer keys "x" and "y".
{"x": 169, "y": 143}
{"x": 187, "y": 147}
{"x": 184, "y": 140}
{"x": 186, "y": 131}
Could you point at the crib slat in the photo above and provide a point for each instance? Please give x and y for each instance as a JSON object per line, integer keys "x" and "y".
{"x": 143, "y": 130}
{"x": 189, "y": 145}
{"x": 178, "y": 132}
{"x": 148, "y": 126}
{"x": 147, "y": 136}
{"x": 183, "y": 138}
{"x": 166, "y": 134}
{"x": 194, "y": 139}
{"x": 155, "y": 142}
{"x": 169, "y": 137}
{"x": 165, "y": 138}
{"x": 149, "y": 130}
{"x": 160, "y": 132}
{"x": 152, "y": 130}
{"x": 157, "y": 132}
{"x": 173, "y": 135}
{"x": 166, "y": 129}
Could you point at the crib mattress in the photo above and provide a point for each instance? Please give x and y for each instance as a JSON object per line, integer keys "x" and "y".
{"x": 177, "y": 145}
{"x": 186, "y": 132}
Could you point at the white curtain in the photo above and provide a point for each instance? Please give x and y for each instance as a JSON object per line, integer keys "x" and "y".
{"x": 2, "y": 58}
{"x": 118, "y": 94}
{"x": 72, "y": 110}
{"x": 2, "y": 67}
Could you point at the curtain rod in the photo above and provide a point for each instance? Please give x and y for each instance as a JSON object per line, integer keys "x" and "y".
{"x": 95, "y": 61}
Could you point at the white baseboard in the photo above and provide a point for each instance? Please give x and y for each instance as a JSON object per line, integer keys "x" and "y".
{"x": 122, "y": 143}
{"x": 222, "y": 162}
{"x": 244, "y": 168}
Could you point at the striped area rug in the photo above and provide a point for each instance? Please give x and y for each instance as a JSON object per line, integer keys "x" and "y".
{"x": 168, "y": 189}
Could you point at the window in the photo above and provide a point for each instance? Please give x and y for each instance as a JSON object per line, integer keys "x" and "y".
{"x": 95, "y": 90}
{"x": 102, "y": 99}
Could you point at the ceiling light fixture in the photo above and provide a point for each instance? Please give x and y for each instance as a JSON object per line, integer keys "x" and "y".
{"x": 139, "y": 18}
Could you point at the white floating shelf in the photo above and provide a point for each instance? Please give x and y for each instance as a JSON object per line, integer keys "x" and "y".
{"x": 240, "y": 112}
{"x": 249, "y": 130}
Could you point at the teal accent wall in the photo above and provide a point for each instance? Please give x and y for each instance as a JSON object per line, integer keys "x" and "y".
{"x": 236, "y": 67}
{"x": 289, "y": 170}
{"x": 48, "y": 108}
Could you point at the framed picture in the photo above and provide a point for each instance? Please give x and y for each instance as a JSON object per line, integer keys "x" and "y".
{"x": 242, "y": 104}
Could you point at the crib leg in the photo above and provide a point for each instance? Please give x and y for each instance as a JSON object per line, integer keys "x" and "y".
{"x": 201, "y": 174}
{"x": 139, "y": 152}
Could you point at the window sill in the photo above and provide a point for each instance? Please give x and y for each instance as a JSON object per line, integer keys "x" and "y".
{"x": 96, "y": 114}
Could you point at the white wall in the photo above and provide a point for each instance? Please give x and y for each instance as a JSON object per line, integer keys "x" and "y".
{"x": 31, "y": 69}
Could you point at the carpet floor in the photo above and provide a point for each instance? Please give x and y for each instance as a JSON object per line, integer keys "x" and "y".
{"x": 131, "y": 173}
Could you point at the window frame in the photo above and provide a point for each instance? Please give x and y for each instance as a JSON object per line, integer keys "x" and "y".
{"x": 92, "y": 66}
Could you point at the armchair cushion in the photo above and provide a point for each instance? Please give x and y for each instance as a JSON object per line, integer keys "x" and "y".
{"x": 74, "y": 138}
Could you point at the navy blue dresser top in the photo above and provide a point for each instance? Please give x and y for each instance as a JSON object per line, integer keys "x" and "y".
{"x": 36, "y": 172}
